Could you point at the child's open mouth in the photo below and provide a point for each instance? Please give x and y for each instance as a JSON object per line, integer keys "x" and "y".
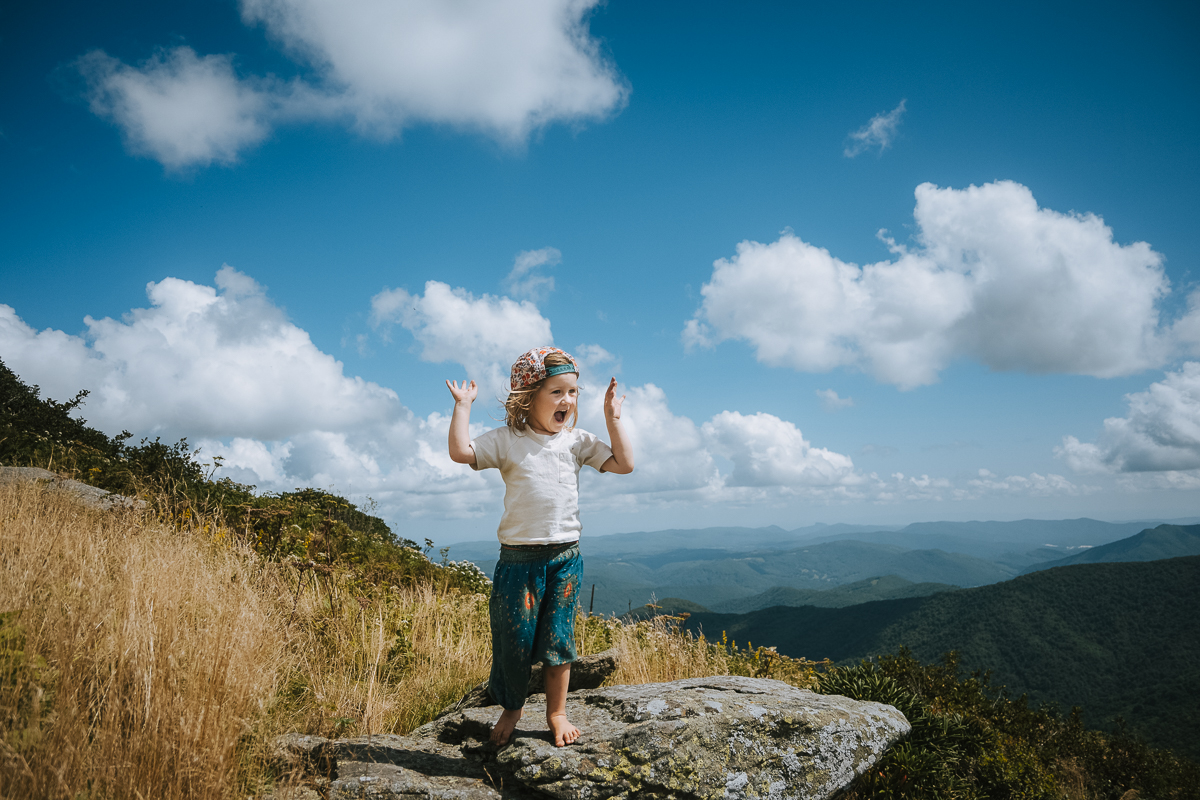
{"x": 560, "y": 416}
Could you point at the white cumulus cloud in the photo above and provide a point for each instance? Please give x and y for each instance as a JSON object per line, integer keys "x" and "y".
{"x": 201, "y": 361}
{"x": 768, "y": 451}
{"x": 503, "y": 68}
{"x": 178, "y": 108}
{"x": 992, "y": 277}
{"x": 670, "y": 452}
{"x": 879, "y": 132}
{"x": 1161, "y": 433}
{"x": 224, "y": 366}
{"x": 485, "y": 334}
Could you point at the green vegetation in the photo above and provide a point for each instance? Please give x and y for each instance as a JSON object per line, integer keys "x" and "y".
{"x": 721, "y": 577}
{"x": 1152, "y": 544}
{"x": 971, "y": 740}
{"x": 1120, "y": 640}
{"x": 667, "y": 607}
{"x": 885, "y": 587}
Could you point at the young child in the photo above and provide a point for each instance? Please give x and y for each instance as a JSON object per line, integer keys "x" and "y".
{"x": 536, "y": 585}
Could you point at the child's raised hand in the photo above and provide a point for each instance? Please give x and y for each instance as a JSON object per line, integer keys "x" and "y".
{"x": 467, "y": 393}
{"x": 612, "y": 403}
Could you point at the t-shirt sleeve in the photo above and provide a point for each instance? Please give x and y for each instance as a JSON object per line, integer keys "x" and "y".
{"x": 489, "y": 449}
{"x": 591, "y": 450}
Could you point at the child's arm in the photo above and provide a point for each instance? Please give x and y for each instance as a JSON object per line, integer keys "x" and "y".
{"x": 460, "y": 423}
{"x": 621, "y": 461}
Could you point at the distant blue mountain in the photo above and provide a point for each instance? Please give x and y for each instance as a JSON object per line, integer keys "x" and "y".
{"x": 716, "y": 566}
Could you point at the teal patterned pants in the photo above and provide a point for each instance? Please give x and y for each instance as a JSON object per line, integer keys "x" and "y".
{"x": 535, "y": 591}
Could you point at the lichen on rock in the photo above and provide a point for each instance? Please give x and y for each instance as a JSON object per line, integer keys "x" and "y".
{"x": 701, "y": 739}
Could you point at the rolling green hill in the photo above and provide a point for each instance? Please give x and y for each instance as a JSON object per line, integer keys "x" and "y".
{"x": 707, "y": 578}
{"x": 665, "y": 606}
{"x": 621, "y": 584}
{"x": 993, "y": 537}
{"x": 1118, "y": 639}
{"x": 1165, "y": 541}
{"x": 886, "y": 587}
{"x": 721, "y": 566}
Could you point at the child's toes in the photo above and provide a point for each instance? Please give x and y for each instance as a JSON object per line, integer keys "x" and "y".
{"x": 564, "y": 732}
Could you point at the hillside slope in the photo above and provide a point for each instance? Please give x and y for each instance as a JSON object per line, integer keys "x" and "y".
{"x": 815, "y": 567}
{"x": 885, "y": 587}
{"x": 1119, "y": 639}
{"x": 1165, "y": 541}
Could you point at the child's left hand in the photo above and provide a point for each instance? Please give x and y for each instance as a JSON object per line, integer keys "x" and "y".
{"x": 612, "y": 404}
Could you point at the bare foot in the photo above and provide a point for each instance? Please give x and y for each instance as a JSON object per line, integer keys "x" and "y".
{"x": 564, "y": 732}
{"x": 503, "y": 729}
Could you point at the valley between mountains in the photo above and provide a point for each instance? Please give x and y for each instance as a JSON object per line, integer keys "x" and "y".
{"x": 1105, "y": 616}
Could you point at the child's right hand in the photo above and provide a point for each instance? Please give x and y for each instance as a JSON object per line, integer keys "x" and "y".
{"x": 466, "y": 394}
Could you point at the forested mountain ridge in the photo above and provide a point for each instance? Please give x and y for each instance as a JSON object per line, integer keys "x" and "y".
{"x": 1119, "y": 639}
{"x": 1152, "y": 544}
{"x": 884, "y": 587}
{"x": 723, "y": 568}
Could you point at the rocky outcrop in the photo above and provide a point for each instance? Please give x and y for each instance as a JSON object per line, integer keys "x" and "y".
{"x": 90, "y": 496}
{"x": 587, "y": 672}
{"x": 719, "y": 737}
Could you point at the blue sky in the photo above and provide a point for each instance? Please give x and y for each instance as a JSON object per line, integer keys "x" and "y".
{"x": 338, "y": 160}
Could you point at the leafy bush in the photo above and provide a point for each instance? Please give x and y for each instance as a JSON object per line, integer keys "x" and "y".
{"x": 971, "y": 740}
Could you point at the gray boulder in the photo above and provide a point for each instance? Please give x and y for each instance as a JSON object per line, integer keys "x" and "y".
{"x": 90, "y": 496}
{"x": 719, "y": 737}
{"x": 385, "y": 767}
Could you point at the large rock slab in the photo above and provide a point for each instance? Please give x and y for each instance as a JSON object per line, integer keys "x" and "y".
{"x": 719, "y": 737}
{"x": 386, "y": 767}
{"x": 90, "y": 496}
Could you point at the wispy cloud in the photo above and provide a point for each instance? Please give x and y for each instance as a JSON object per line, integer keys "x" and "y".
{"x": 831, "y": 402}
{"x": 879, "y": 132}
{"x": 524, "y": 281}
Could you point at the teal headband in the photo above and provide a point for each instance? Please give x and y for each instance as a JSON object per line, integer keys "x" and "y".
{"x": 560, "y": 369}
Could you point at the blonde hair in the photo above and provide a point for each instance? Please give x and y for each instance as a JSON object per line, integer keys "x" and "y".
{"x": 520, "y": 401}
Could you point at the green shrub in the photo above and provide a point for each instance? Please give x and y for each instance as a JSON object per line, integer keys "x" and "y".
{"x": 971, "y": 740}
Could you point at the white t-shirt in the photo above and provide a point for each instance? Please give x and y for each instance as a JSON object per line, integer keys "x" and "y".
{"x": 541, "y": 480}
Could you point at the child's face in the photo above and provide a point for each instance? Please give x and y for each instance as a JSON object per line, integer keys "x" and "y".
{"x": 554, "y": 404}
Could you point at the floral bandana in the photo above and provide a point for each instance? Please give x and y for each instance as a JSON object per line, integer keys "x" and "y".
{"x": 531, "y": 367}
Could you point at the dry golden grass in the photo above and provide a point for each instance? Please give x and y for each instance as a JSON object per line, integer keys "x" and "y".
{"x": 140, "y": 659}
{"x": 149, "y": 659}
{"x": 655, "y": 651}
{"x": 380, "y": 665}
{"x": 132, "y": 659}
